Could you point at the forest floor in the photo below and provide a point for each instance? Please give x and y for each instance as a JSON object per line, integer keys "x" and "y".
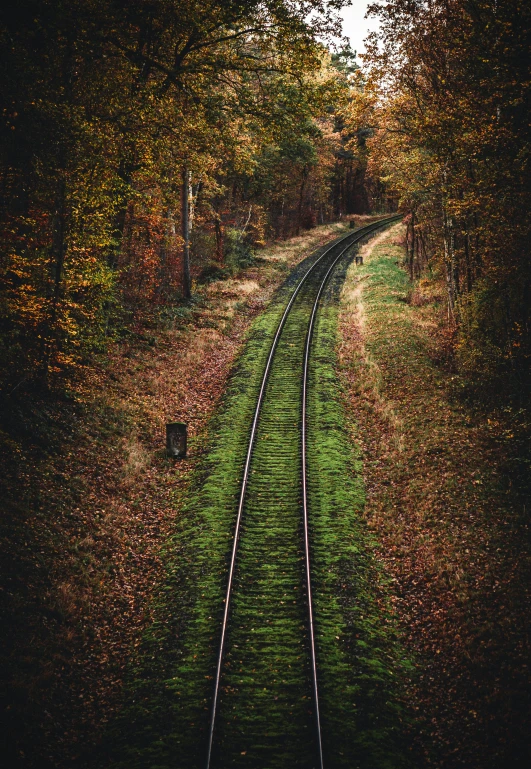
{"x": 88, "y": 502}
{"x": 449, "y": 511}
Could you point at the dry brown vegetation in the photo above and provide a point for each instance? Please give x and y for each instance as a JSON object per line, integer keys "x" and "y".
{"x": 449, "y": 513}
{"x": 90, "y": 498}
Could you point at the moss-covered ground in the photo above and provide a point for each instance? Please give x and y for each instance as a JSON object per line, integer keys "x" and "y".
{"x": 265, "y": 717}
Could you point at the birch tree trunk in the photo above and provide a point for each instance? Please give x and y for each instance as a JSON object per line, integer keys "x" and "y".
{"x": 185, "y": 200}
{"x": 450, "y": 265}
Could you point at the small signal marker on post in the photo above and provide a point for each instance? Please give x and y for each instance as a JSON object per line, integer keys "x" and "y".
{"x": 176, "y": 435}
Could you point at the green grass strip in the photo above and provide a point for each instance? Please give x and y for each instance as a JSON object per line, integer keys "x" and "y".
{"x": 265, "y": 717}
{"x": 360, "y": 661}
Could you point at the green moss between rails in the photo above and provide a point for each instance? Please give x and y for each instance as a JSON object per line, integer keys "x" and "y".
{"x": 165, "y": 717}
{"x": 360, "y": 661}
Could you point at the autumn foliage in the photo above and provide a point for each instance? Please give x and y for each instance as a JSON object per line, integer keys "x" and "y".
{"x": 114, "y": 113}
{"x": 447, "y": 105}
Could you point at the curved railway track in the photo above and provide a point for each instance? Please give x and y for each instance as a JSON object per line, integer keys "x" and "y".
{"x": 270, "y": 566}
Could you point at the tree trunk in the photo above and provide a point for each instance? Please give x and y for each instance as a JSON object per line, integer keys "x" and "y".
{"x": 164, "y": 278}
{"x": 219, "y": 239}
{"x": 450, "y": 265}
{"x": 412, "y": 253}
{"x": 185, "y": 196}
{"x": 468, "y": 261}
{"x": 301, "y": 194}
{"x": 58, "y": 249}
{"x": 125, "y": 172}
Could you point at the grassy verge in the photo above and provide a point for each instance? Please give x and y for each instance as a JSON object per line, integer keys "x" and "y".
{"x": 362, "y": 664}
{"x": 88, "y": 498}
{"x": 172, "y": 685}
{"x": 166, "y": 715}
{"x": 453, "y": 529}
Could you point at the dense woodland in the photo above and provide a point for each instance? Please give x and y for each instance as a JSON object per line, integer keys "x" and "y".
{"x": 150, "y": 145}
{"x": 150, "y": 150}
{"x": 447, "y": 104}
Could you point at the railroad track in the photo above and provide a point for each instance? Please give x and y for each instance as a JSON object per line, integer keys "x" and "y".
{"x": 265, "y": 707}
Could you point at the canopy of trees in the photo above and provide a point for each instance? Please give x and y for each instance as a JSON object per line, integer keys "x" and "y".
{"x": 140, "y": 137}
{"x": 447, "y": 105}
{"x": 147, "y": 145}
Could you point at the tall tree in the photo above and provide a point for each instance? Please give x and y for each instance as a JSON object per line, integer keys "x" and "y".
{"x": 452, "y": 84}
{"x": 106, "y": 102}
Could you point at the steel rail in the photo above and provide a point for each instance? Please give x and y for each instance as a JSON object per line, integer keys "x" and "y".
{"x": 304, "y": 430}
{"x": 354, "y": 237}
